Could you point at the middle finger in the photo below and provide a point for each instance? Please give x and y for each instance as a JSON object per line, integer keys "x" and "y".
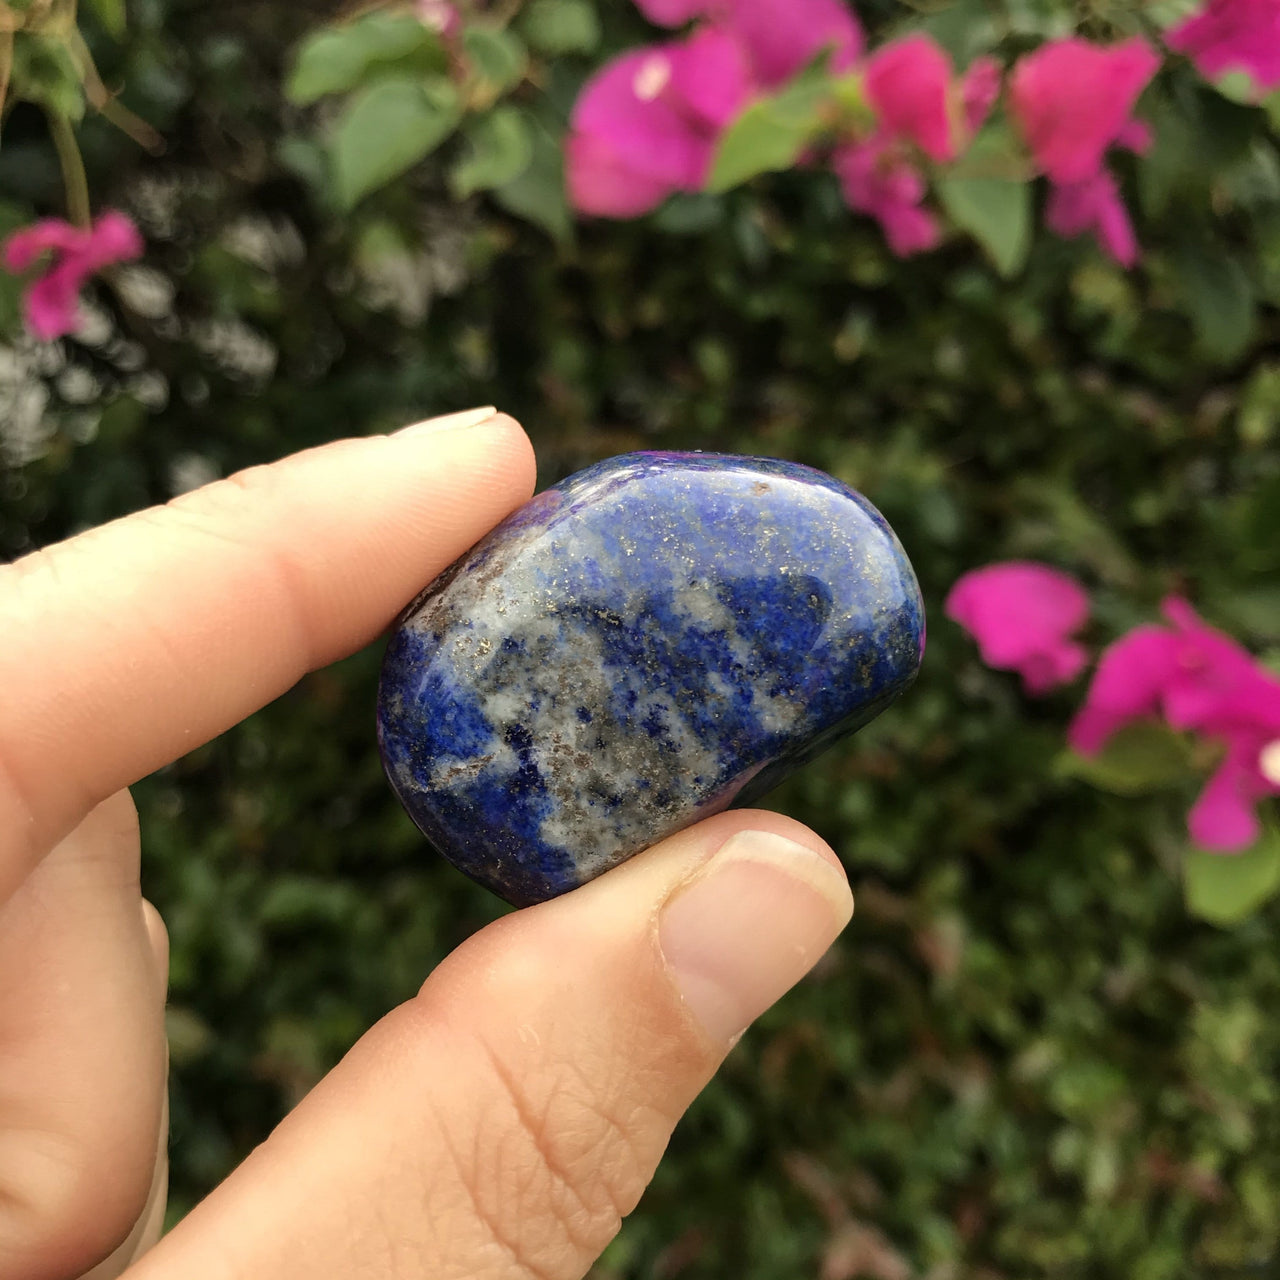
{"x": 82, "y": 1052}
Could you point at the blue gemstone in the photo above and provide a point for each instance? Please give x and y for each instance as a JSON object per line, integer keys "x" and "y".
{"x": 646, "y": 643}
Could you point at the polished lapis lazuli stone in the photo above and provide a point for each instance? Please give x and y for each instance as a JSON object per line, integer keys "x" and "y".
{"x": 646, "y": 643}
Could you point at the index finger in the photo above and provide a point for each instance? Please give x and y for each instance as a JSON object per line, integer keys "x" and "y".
{"x": 134, "y": 643}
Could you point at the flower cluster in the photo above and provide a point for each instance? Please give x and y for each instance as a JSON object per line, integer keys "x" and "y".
{"x": 921, "y": 107}
{"x": 1073, "y": 101}
{"x": 1203, "y": 682}
{"x": 648, "y": 124}
{"x": 1197, "y": 679}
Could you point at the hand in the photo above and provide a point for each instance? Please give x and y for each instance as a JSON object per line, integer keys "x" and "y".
{"x": 498, "y": 1125}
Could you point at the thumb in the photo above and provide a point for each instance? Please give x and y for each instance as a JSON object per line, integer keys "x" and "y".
{"x": 502, "y": 1123}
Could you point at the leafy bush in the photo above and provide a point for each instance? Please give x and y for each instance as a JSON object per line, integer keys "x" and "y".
{"x": 1025, "y": 1056}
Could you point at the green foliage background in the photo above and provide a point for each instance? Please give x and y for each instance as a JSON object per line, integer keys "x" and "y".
{"x": 1025, "y": 1058}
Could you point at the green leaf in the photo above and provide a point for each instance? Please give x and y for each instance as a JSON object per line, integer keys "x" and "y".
{"x": 772, "y": 132}
{"x": 337, "y": 59}
{"x": 1253, "y": 610}
{"x": 306, "y": 159}
{"x": 1075, "y": 526}
{"x": 1259, "y": 539}
{"x": 538, "y": 194}
{"x": 1225, "y": 888}
{"x": 1141, "y": 757}
{"x": 996, "y": 213}
{"x": 497, "y": 58}
{"x": 691, "y": 213}
{"x": 386, "y": 129}
{"x": 557, "y": 27}
{"x": 111, "y": 13}
{"x": 964, "y": 29}
{"x": 499, "y": 150}
{"x": 1259, "y": 418}
{"x": 1220, "y": 298}
{"x": 1271, "y": 105}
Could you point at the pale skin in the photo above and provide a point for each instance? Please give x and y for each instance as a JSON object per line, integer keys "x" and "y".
{"x": 498, "y": 1125}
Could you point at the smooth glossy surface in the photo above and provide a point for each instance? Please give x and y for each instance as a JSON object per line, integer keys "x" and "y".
{"x": 642, "y": 645}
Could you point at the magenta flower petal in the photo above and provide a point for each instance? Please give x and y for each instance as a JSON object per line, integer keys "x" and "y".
{"x": 49, "y": 235}
{"x": 1127, "y": 685}
{"x": 646, "y": 124}
{"x": 1021, "y": 614}
{"x": 628, "y": 104}
{"x": 783, "y": 36}
{"x": 51, "y": 304}
{"x": 1223, "y": 818}
{"x": 909, "y": 229}
{"x": 1136, "y": 136}
{"x": 1091, "y": 728}
{"x": 875, "y": 180}
{"x": 1072, "y": 100}
{"x": 1233, "y": 35}
{"x": 979, "y": 91}
{"x": 603, "y": 183}
{"x": 1057, "y": 665}
{"x": 711, "y": 76}
{"x": 908, "y": 82}
{"x": 1217, "y": 687}
{"x": 113, "y": 238}
{"x": 1093, "y": 204}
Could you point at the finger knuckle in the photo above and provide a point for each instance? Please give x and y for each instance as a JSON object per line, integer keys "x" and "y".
{"x": 570, "y": 1129}
{"x": 549, "y": 1171}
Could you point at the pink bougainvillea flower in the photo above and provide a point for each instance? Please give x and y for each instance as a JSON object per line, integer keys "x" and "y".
{"x": 646, "y": 124}
{"x": 876, "y": 179}
{"x": 1022, "y": 615}
{"x": 76, "y": 254}
{"x": 1233, "y": 35}
{"x": 911, "y": 84}
{"x": 1203, "y": 682}
{"x": 1094, "y": 204}
{"x": 779, "y": 36}
{"x": 918, "y": 103}
{"x": 1073, "y": 100}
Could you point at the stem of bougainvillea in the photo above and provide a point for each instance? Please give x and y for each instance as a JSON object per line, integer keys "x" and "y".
{"x": 74, "y": 181}
{"x": 102, "y": 101}
{"x": 6, "y": 64}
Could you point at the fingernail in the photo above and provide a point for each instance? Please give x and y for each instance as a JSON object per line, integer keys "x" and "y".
{"x": 450, "y": 422}
{"x": 749, "y": 927}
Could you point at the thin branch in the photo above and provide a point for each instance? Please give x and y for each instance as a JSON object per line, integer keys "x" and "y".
{"x": 103, "y": 100}
{"x": 6, "y": 64}
{"x": 74, "y": 179}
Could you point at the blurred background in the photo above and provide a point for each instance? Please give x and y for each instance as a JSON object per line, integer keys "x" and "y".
{"x": 1027, "y": 1056}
